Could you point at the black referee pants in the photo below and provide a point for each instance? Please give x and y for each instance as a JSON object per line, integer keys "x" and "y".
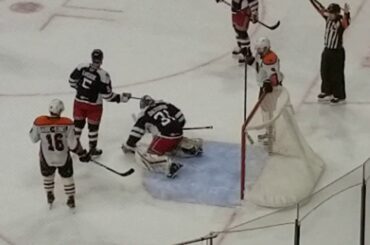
{"x": 332, "y": 72}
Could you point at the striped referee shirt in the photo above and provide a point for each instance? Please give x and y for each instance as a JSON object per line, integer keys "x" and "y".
{"x": 334, "y": 30}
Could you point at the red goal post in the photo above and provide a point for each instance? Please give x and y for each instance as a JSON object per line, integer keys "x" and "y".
{"x": 243, "y": 144}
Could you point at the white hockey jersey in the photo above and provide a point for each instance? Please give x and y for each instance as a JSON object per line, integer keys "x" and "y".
{"x": 268, "y": 69}
{"x": 57, "y": 138}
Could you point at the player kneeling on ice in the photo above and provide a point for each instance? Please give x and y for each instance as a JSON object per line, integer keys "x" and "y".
{"x": 165, "y": 122}
{"x": 57, "y": 139}
{"x": 269, "y": 79}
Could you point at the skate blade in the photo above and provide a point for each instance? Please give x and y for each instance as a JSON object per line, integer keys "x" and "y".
{"x": 175, "y": 174}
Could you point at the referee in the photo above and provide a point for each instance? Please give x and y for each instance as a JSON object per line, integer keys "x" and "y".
{"x": 333, "y": 56}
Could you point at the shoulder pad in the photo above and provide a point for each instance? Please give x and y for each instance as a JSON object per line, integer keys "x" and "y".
{"x": 46, "y": 120}
{"x": 104, "y": 76}
{"x": 270, "y": 58}
{"x": 83, "y": 65}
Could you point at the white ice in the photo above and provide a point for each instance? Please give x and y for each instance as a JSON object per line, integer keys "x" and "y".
{"x": 178, "y": 51}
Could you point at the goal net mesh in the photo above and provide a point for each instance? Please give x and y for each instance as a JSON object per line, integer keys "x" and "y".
{"x": 291, "y": 168}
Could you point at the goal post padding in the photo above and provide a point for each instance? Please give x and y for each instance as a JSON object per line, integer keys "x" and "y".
{"x": 292, "y": 168}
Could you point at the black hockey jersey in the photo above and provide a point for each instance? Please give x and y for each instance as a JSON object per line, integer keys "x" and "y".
{"x": 237, "y": 5}
{"x": 161, "y": 118}
{"x": 92, "y": 85}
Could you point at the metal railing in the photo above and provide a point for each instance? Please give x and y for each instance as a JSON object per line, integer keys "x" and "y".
{"x": 356, "y": 178}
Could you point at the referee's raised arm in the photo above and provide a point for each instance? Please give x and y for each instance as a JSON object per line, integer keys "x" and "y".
{"x": 319, "y": 7}
{"x": 346, "y": 18}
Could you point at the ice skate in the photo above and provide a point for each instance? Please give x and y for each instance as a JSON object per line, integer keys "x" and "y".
{"x": 174, "y": 170}
{"x": 336, "y": 101}
{"x": 262, "y": 137}
{"x": 236, "y": 51}
{"x": 71, "y": 202}
{"x": 50, "y": 198}
{"x": 95, "y": 152}
{"x": 323, "y": 97}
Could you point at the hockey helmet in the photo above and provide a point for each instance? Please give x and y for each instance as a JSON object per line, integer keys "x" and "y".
{"x": 333, "y": 8}
{"x": 56, "y": 107}
{"x": 97, "y": 56}
{"x": 263, "y": 45}
{"x": 145, "y": 101}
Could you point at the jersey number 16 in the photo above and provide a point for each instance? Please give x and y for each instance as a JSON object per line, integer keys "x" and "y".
{"x": 56, "y": 142}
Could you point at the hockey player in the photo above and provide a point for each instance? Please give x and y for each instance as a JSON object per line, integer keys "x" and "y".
{"x": 269, "y": 79}
{"x": 165, "y": 122}
{"x": 242, "y": 12}
{"x": 92, "y": 84}
{"x": 57, "y": 139}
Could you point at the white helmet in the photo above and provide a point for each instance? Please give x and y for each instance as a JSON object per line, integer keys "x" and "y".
{"x": 263, "y": 45}
{"x": 56, "y": 107}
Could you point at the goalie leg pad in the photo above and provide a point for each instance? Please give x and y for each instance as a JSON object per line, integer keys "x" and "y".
{"x": 190, "y": 147}
{"x": 152, "y": 162}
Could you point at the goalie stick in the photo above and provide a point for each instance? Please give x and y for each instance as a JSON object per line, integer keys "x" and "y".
{"x": 196, "y": 128}
{"x": 134, "y": 118}
{"x": 123, "y": 174}
{"x": 270, "y": 27}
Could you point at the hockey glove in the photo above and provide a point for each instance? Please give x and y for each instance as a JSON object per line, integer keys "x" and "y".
{"x": 84, "y": 156}
{"x": 254, "y": 18}
{"x": 125, "y": 97}
{"x": 267, "y": 87}
{"x": 346, "y": 8}
{"x": 249, "y": 60}
{"x": 127, "y": 149}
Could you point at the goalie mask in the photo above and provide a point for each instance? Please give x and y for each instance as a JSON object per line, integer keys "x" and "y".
{"x": 56, "y": 107}
{"x": 145, "y": 101}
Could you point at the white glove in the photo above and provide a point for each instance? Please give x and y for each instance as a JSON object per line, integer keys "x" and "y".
{"x": 127, "y": 149}
{"x": 125, "y": 97}
{"x": 346, "y": 8}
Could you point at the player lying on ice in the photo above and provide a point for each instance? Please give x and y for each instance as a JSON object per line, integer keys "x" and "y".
{"x": 166, "y": 123}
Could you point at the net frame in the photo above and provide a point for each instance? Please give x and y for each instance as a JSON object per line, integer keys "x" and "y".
{"x": 297, "y": 155}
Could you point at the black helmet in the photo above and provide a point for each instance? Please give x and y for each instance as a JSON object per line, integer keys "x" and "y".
{"x": 333, "y": 8}
{"x": 97, "y": 56}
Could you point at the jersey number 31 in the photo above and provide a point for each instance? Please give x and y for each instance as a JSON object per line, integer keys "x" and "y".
{"x": 164, "y": 117}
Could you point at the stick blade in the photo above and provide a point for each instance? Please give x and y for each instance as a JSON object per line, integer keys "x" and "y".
{"x": 276, "y": 25}
{"x": 128, "y": 172}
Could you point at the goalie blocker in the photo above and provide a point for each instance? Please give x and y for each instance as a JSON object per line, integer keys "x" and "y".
{"x": 165, "y": 122}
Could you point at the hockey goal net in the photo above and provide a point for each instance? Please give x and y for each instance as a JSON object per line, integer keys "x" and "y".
{"x": 291, "y": 168}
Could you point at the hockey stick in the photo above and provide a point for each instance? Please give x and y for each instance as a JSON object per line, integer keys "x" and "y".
{"x": 136, "y": 98}
{"x": 196, "y": 128}
{"x": 127, "y": 173}
{"x": 273, "y": 27}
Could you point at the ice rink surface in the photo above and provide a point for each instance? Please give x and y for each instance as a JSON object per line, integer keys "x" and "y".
{"x": 178, "y": 51}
